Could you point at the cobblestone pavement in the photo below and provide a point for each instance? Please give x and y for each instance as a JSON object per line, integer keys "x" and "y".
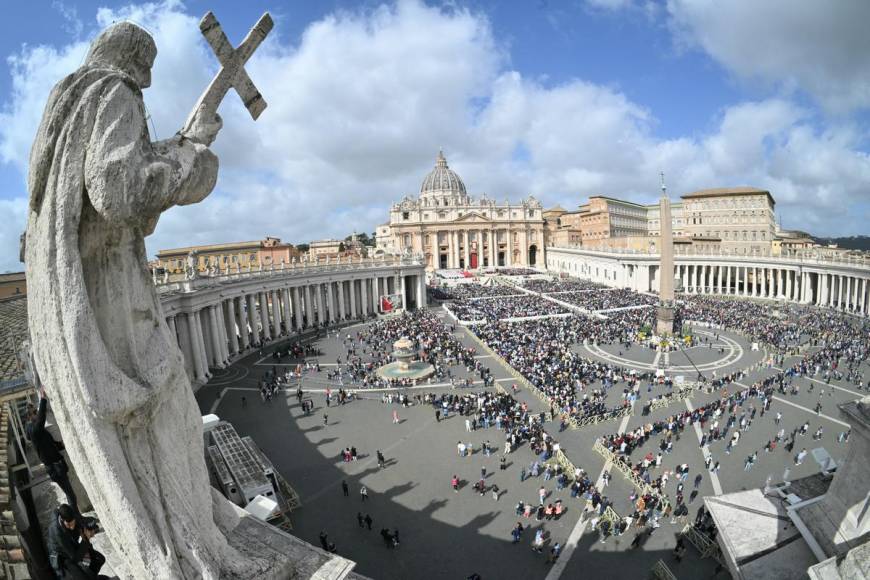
{"x": 450, "y": 535}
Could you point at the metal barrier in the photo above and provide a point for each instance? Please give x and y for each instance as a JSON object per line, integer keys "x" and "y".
{"x": 706, "y": 546}
{"x": 665, "y": 400}
{"x": 660, "y": 571}
{"x": 595, "y": 419}
{"x": 638, "y": 482}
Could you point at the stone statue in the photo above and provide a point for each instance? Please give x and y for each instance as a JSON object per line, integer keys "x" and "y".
{"x": 115, "y": 375}
{"x": 192, "y": 266}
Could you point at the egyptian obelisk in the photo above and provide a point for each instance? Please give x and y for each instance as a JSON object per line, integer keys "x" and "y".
{"x": 665, "y": 320}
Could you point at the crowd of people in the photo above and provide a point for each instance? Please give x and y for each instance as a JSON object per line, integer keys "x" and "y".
{"x": 541, "y": 351}
{"x": 472, "y": 290}
{"x": 607, "y": 299}
{"x": 561, "y": 285}
{"x": 504, "y": 307}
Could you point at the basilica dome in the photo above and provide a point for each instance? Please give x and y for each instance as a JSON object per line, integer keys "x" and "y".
{"x": 442, "y": 182}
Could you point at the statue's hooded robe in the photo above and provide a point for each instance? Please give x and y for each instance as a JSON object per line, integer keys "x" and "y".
{"x": 114, "y": 374}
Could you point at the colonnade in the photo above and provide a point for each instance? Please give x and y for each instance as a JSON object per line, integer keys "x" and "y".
{"x": 845, "y": 287}
{"x": 213, "y": 333}
{"x": 845, "y": 292}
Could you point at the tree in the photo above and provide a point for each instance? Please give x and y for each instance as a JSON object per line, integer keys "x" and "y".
{"x": 302, "y": 248}
{"x": 341, "y": 247}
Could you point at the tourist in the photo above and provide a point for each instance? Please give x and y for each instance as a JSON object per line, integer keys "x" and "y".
{"x": 48, "y": 450}
{"x": 70, "y": 552}
{"x": 363, "y": 493}
{"x": 344, "y": 488}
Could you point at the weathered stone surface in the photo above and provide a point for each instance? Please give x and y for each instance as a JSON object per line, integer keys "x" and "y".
{"x": 115, "y": 376}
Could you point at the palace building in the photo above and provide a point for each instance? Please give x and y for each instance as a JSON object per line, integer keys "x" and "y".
{"x": 450, "y": 229}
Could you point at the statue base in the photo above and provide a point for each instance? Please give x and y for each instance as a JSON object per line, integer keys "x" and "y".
{"x": 276, "y": 554}
{"x": 665, "y": 321}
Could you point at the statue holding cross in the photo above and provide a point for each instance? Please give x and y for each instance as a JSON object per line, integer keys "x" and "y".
{"x": 110, "y": 365}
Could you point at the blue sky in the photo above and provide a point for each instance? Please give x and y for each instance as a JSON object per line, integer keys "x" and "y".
{"x": 560, "y": 100}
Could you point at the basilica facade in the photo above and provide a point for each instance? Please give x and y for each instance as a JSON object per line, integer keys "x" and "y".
{"x": 452, "y": 230}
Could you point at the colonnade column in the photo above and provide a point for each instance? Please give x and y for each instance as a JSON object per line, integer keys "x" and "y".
{"x": 318, "y": 302}
{"x": 863, "y": 301}
{"x": 216, "y": 337}
{"x": 253, "y": 319}
{"x": 223, "y": 338}
{"x": 276, "y": 313}
{"x": 375, "y": 294}
{"x": 264, "y": 316}
{"x": 466, "y": 249}
{"x": 364, "y": 297}
{"x": 242, "y": 318}
{"x": 333, "y": 309}
{"x": 297, "y": 308}
{"x": 342, "y": 312}
{"x": 352, "y": 298}
{"x": 788, "y": 274}
{"x": 200, "y": 367}
{"x": 288, "y": 312}
{"x": 402, "y": 286}
{"x": 728, "y": 279}
{"x": 230, "y": 319}
{"x": 185, "y": 341}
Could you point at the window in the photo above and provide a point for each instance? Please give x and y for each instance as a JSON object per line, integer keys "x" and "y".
{"x": 405, "y": 215}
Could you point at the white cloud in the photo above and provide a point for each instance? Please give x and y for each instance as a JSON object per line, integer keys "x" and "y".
{"x": 358, "y": 109}
{"x": 819, "y": 47}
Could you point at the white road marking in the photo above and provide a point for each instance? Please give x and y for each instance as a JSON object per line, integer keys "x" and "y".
{"x": 705, "y": 450}
{"x": 570, "y": 545}
{"x": 845, "y": 390}
{"x": 801, "y": 407}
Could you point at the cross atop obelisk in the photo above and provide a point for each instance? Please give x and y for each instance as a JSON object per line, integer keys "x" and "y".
{"x": 232, "y": 73}
{"x": 665, "y": 319}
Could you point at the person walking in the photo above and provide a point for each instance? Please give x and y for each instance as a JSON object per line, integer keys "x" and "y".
{"x": 542, "y": 495}
{"x": 454, "y": 483}
{"x": 799, "y": 458}
{"x": 495, "y": 491}
{"x": 395, "y": 416}
{"x": 381, "y": 461}
{"x": 325, "y": 419}
{"x": 363, "y": 493}
{"x": 360, "y": 520}
{"x": 344, "y": 488}
{"x": 554, "y": 553}
{"x": 538, "y": 542}
{"x": 368, "y": 520}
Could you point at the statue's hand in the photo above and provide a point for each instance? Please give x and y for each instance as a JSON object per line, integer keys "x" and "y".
{"x": 205, "y": 130}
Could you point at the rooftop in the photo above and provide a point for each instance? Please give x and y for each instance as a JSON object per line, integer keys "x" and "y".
{"x": 725, "y": 191}
{"x": 12, "y": 277}
{"x": 13, "y": 330}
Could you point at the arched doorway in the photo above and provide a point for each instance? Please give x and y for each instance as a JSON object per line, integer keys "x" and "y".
{"x": 533, "y": 255}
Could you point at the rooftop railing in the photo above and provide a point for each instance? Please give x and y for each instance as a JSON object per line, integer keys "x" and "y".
{"x": 806, "y": 257}
{"x": 216, "y": 276}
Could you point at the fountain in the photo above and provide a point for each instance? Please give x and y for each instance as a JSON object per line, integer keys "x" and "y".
{"x": 405, "y": 367}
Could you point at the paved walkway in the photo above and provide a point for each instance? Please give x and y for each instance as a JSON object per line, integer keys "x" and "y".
{"x": 451, "y": 535}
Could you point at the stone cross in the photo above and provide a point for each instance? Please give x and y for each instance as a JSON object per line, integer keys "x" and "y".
{"x": 232, "y": 73}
